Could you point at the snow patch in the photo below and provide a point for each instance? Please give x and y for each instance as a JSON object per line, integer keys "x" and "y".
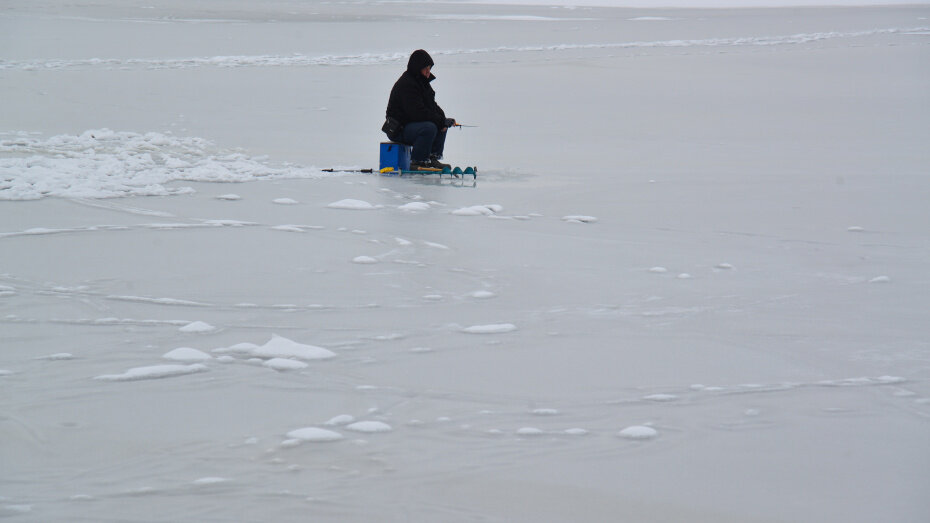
{"x": 59, "y": 356}
{"x": 660, "y": 397}
{"x": 478, "y": 210}
{"x": 102, "y": 163}
{"x": 186, "y": 354}
{"x": 415, "y": 207}
{"x": 352, "y": 205}
{"x": 369, "y": 426}
{"x": 314, "y": 434}
{"x": 281, "y": 347}
{"x": 212, "y": 480}
{"x": 638, "y": 432}
{"x": 579, "y": 218}
{"x": 283, "y": 364}
{"x": 154, "y": 372}
{"x": 496, "y": 328}
{"x": 342, "y": 419}
{"x": 197, "y": 327}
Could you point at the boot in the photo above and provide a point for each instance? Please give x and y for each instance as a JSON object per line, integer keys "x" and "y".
{"x": 420, "y": 166}
{"x": 436, "y": 164}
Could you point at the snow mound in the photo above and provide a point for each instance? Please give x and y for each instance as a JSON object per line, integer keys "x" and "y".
{"x": 478, "y": 210}
{"x": 186, "y": 354}
{"x": 530, "y": 431}
{"x": 364, "y": 260}
{"x": 285, "y": 201}
{"x": 229, "y": 197}
{"x": 102, "y": 163}
{"x": 314, "y": 434}
{"x": 638, "y": 432}
{"x": 880, "y": 279}
{"x": 288, "y": 228}
{"x": 482, "y": 294}
{"x": 414, "y": 206}
{"x": 342, "y": 419}
{"x": 197, "y": 327}
{"x": 545, "y": 412}
{"x": 280, "y": 347}
{"x": 154, "y": 372}
{"x": 658, "y": 270}
{"x": 284, "y": 364}
{"x": 352, "y": 205}
{"x": 211, "y": 480}
{"x": 369, "y": 426}
{"x": 497, "y": 328}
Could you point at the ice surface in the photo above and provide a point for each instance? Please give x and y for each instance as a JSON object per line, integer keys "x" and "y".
{"x": 776, "y": 157}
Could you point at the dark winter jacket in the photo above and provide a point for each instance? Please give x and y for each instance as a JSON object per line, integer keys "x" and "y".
{"x": 412, "y": 99}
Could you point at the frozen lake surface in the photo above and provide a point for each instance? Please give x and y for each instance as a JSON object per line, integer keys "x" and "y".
{"x": 690, "y": 281}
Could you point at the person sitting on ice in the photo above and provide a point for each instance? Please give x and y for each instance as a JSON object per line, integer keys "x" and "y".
{"x": 413, "y": 116}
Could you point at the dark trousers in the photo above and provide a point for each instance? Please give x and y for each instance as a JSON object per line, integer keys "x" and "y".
{"x": 427, "y": 140}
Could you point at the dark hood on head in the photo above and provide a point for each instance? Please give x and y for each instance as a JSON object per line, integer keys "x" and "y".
{"x": 418, "y": 60}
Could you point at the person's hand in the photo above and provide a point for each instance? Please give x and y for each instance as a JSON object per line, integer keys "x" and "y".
{"x": 450, "y": 122}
